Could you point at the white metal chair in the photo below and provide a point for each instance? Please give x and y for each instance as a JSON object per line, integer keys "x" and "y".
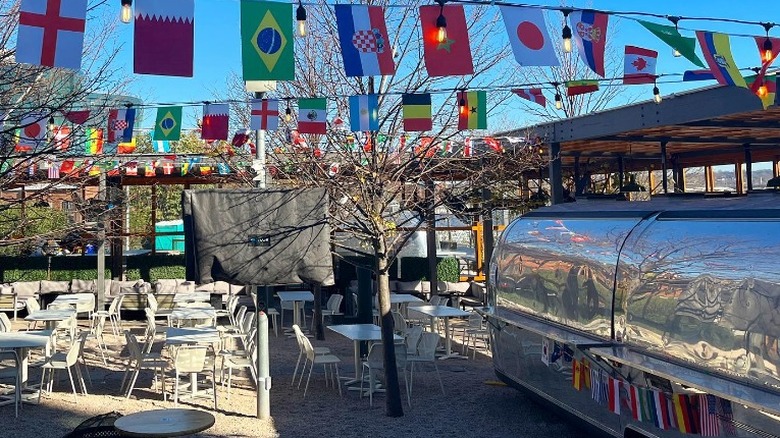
{"x": 10, "y": 369}
{"x": 32, "y": 307}
{"x": 375, "y": 362}
{"x": 412, "y": 339}
{"x": 399, "y": 323}
{"x": 326, "y": 360}
{"x": 139, "y": 361}
{"x": 5, "y": 323}
{"x": 191, "y": 359}
{"x": 474, "y": 330}
{"x": 96, "y": 333}
{"x": 332, "y": 307}
{"x": 113, "y": 314}
{"x": 232, "y": 362}
{"x": 65, "y": 361}
{"x": 426, "y": 353}
{"x": 302, "y": 351}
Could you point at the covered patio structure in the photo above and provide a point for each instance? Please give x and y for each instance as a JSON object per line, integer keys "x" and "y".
{"x": 702, "y": 128}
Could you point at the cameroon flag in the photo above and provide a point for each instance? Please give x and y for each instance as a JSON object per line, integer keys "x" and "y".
{"x": 94, "y": 144}
{"x": 417, "y": 112}
{"x": 472, "y": 110}
{"x": 267, "y": 41}
{"x": 767, "y": 94}
{"x": 168, "y": 124}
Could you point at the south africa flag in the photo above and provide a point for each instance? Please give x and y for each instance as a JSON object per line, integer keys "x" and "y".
{"x": 267, "y": 41}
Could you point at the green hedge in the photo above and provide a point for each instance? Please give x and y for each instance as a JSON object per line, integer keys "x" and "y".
{"x": 448, "y": 269}
{"x": 149, "y": 267}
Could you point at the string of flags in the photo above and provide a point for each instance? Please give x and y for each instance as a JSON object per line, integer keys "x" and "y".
{"x": 164, "y": 40}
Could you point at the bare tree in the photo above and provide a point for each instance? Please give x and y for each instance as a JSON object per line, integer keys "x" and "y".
{"x": 48, "y": 94}
{"x": 383, "y": 184}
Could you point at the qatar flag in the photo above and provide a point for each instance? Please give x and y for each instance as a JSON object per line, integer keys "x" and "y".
{"x": 215, "y": 121}
{"x": 164, "y": 37}
{"x": 527, "y": 31}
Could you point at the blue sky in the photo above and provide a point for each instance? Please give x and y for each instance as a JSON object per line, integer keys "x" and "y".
{"x": 217, "y": 47}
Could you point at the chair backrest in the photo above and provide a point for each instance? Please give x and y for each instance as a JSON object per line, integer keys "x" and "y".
{"x": 190, "y": 358}
{"x": 475, "y": 321}
{"x": 98, "y": 323}
{"x": 307, "y": 347}
{"x": 60, "y": 306}
{"x": 240, "y": 316}
{"x": 399, "y": 323}
{"x": 150, "y": 323}
{"x": 32, "y": 305}
{"x": 115, "y": 303}
{"x": 334, "y": 302}
{"x": 151, "y": 301}
{"x": 5, "y": 323}
{"x": 132, "y": 346}
{"x": 376, "y": 353}
{"x": 413, "y": 335}
{"x": 426, "y": 349}
{"x": 76, "y": 347}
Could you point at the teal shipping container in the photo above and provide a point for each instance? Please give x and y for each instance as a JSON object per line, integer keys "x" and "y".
{"x": 171, "y": 242}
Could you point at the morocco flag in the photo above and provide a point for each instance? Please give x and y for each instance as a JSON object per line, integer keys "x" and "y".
{"x": 453, "y": 55}
{"x": 164, "y": 37}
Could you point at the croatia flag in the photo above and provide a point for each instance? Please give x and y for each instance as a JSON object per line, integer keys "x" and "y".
{"x": 164, "y": 37}
{"x": 365, "y": 45}
{"x": 590, "y": 33}
{"x": 51, "y": 32}
{"x": 215, "y": 121}
{"x": 120, "y": 125}
{"x": 363, "y": 112}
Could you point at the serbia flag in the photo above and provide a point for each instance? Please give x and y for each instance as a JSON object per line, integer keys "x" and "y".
{"x": 365, "y": 45}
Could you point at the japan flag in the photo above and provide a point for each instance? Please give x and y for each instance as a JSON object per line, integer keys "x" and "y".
{"x": 527, "y": 32}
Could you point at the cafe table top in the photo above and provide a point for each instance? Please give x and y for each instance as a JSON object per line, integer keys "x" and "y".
{"x": 164, "y": 422}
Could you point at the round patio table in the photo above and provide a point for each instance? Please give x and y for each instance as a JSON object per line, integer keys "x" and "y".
{"x": 164, "y": 423}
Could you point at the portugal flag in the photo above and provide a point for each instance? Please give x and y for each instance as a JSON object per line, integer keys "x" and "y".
{"x": 267, "y": 41}
{"x": 452, "y": 56}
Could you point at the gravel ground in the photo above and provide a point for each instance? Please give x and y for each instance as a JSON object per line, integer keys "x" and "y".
{"x": 474, "y": 403}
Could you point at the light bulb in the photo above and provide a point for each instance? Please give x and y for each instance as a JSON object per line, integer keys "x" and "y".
{"x": 676, "y": 53}
{"x": 558, "y": 101}
{"x": 762, "y": 91}
{"x": 767, "y": 52}
{"x": 657, "y": 95}
{"x": 300, "y": 16}
{"x": 567, "y": 45}
{"x": 287, "y": 114}
{"x": 441, "y": 26}
{"x": 127, "y": 11}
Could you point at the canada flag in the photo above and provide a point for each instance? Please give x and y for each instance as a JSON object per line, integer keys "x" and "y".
{"x": 639, "y": 66}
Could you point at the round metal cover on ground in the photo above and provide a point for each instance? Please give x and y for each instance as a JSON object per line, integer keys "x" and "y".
{"x": 164, "y": 423}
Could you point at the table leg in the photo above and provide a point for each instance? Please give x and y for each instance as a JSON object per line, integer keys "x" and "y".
{"x": 194, "y": 384}
{"x": 449, "y": 354}
{"x": 296, "y": 313}
{"x": 357, "y": 366}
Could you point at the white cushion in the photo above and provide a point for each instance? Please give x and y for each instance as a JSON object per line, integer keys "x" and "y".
{"x": 166, "y": 286}
{"x": 54, "y": 286}
{"x": 185, "y": 287}
{"x": 6, "y": 289}
{"x": 82, "y": 286}
{"x": 26, "y": 288}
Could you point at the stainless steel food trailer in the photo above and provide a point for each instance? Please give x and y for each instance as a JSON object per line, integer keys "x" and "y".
{"x": 672, "y": 298}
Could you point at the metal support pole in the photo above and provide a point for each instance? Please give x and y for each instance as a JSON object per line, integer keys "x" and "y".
{"x": 556, "y": 174}
{"x": 749, "y": 167}
{"x": 487, "y": 232}
{"x": 101, "y": 249}
{"x": 664, "y": 177}
{"x": 263, "y": 368}
{"x": 260, "y": 160}
{"x": 621, "y": 171}
{"x": 430, "y": 223}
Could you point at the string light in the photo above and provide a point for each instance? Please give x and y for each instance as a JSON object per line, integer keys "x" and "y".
{"x": 300, "y": 17}
{"x": 462, "y": 103}
{"x": 558, "y": 101}
{"x": 127, "y": 11}
{"x": 656, "y": 93}
{"x": 566, "y": 34}
{"x": 766, "y": 53}
{"x": 676, "y": 53}
{"x": 441, "y": 24}
{"x": 288, "y": 112}
{"x": 52, "y": 125}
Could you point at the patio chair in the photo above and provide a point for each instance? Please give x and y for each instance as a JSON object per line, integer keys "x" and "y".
{"x": 412, "y": 339}
{"x": 399, "y": 323}
{"x": 10, "y": 302}
{"x": 326, "y": 360}
{"x": 332, "y": 307}
{"x": 32, "y": 307}
{"x": 5, "y": 323}
{"x": 96, "y": 333}
{"x": 65, "y": 361}
{"x": 239, "y": 362}
{"x": 375, "y": 362}
{"x": 193, "y": 359}
{"x": 10, "y": 369}
{"x": 138, "y": 361}
{"x": 426, "y": 353}
{"x": 154, "y": 305}
{"x": 302, "y": 351}
{"x": 474, "y": 330}
{"x": 113, "y": 314}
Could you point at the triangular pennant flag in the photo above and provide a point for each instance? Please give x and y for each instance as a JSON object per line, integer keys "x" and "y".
{"x": 168, "y": 123}
{"x": 590, "y": 34}
{"x": 265, "y": 115}
{"x": 472, "y": 110}
{"x": 267, "y": 41}
{"x": 365, "y": 44}
{"x": 766, "y": 89}
{"x": 215, "y": 121}
{"x": 364, "y": 112}
{"x": 164, "y": 37}
{"x": 312, "y": 116}
{"x": 51, "y": 33}
{"x": 717, "y": 51}
{"x": 240, "y": 138}
{"x": 670, "y": 35}
{"x": 528, "y": 36}
{"x": 698, "y": 75}
{"x": 533, "y": 94}
{"x": 452, "y": 55}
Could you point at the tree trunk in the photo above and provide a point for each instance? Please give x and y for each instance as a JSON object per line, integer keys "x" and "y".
{"x": 393, "y": 388}
{"x": 319, "y": 330}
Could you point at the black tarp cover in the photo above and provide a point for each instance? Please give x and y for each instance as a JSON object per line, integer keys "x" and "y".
{"x": 257, "y": 236}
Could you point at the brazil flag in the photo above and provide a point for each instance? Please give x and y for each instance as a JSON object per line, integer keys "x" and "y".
{"x": 168, "y": 124}
{"x": 267, "y": 41}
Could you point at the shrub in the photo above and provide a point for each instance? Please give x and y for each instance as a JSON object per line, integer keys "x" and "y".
{"x": 448, "y": 269}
